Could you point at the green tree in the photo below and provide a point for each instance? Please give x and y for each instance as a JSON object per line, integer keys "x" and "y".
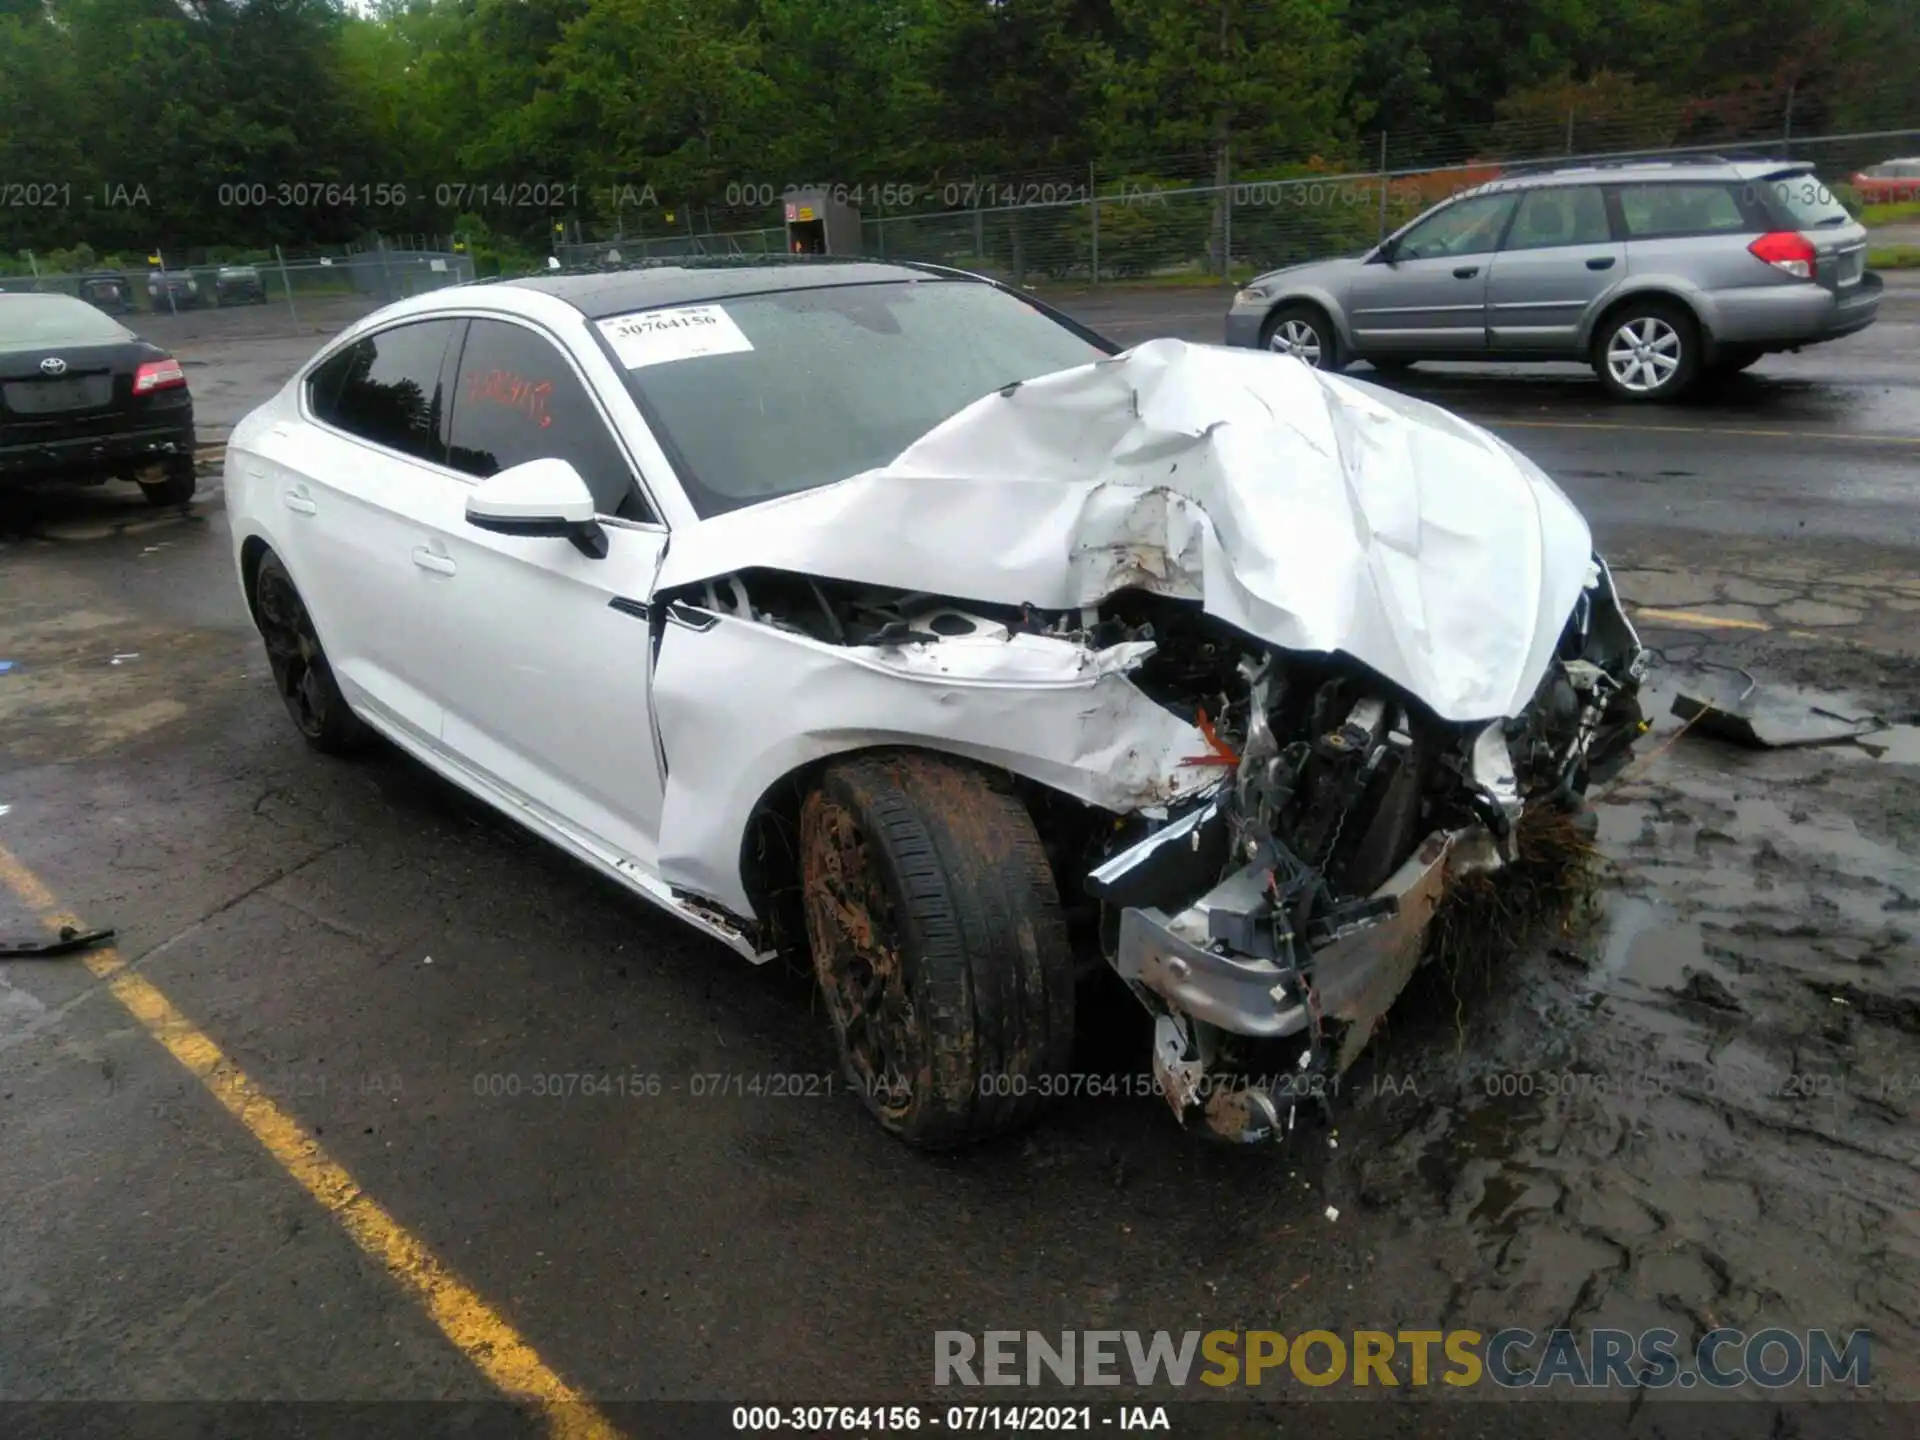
{"x": 1204, "y": 77}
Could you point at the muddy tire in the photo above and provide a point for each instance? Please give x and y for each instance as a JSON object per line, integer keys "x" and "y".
{"x": 300, "y": 670}
{"x": 176, "y": 489}
{"x": 938, "y": 942}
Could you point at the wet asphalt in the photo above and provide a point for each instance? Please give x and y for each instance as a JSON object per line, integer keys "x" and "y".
{"x": 411, "y": 978}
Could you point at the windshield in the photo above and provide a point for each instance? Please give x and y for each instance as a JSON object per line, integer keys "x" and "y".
{"x": 27, "y": 320}
{"x": 1806, "y": 198}
{"x": 800, "y": 388}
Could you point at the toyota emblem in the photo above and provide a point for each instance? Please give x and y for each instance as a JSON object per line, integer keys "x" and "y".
{"x": 53, "y": 365}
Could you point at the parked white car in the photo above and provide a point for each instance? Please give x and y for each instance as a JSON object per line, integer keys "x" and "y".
{"x": 881, "y": 609}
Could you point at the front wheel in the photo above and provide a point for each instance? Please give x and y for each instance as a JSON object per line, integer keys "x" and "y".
{"x": 939, "y": 945}
{"x": 1648, "y": 351}
{"x": 1304, "y": 333}
{"x": 300, "y": 670}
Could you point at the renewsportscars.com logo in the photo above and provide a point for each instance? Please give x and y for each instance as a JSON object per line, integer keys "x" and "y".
{"x": 1599, "y": 1359}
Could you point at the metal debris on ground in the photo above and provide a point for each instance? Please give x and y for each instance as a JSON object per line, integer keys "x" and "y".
{"x": 1765, "y": 719}
{"x": 66, "y": 942}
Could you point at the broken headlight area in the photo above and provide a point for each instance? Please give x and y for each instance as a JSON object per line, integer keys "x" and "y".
{"x": 1270, "y": 926}
{"x": 839, "y": 612}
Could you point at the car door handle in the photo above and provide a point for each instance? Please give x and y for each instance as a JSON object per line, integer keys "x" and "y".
{"x": 1600, "y": 262}
{"x": 300, "y": 503}
{"x": 428, "y": 560}
{"x": 1466, "y": 272}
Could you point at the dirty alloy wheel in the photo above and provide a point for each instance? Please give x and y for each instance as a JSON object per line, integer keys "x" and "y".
{"x": 938, "y": 942}
{"x": 1304, "y": 333}
{"x": 300, "y": 670}
{"x": 176, "y": 489}
{"x": 1647, "y": 351}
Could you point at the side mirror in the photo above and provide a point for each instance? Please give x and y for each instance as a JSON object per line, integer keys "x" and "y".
{"x": 1385, "y": 255}
{"x": 542, "y": 498}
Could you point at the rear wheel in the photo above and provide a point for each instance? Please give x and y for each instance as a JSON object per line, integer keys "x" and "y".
{"x": 300, "y": 670}
{"x": 1648, "y": 350}
{"x": 176, "y": 489}
{"x": 939, "y": 945}
{"x": 1304, "y": 333}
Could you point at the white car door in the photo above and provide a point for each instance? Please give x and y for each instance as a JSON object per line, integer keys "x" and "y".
{"x": 544, "y": 655}
{"x": 348, "y": 479}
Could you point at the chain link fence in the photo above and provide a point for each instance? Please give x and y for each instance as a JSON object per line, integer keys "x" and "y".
{"x": 284, "y": 295}
{"x": 1176, "y": 218}
{"x": 1142, "y": 228}
{"x": 1179, "y": 218}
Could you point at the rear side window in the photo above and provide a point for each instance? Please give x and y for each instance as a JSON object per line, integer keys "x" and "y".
{"x": 386, "y": 388}
{"x": 518, "y": 399}
{"x": 1574, "y": 215}
{"x": 1805, "y": 200}
{"x": 1682, "y": 208}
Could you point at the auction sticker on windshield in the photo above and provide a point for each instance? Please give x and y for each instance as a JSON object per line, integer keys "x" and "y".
{"x": 654, "y": 337}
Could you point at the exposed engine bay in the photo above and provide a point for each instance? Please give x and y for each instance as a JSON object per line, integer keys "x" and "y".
{"x": 1273, "y": 907}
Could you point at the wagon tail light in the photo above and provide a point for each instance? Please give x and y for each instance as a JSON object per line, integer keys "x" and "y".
{"x": 1788, "y": 251}
{"x": 158, "y": 375}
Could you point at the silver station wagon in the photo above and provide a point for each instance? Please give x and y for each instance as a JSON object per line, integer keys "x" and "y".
{"x": 1654, "y": 272}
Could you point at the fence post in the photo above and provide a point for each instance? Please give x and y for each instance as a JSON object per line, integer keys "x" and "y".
{"x": 1569, "y": 132}
{"x": 1093, "y": 199}
{"x": 1226, "y": 216}
{"x": 286, "y": 283}
{"x": 387, "y": 296}
{"x": 33, "y": 265}
{"x": 1383, "y": 187}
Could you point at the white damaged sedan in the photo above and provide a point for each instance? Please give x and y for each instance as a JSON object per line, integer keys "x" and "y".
{"x": 881, "y": 609}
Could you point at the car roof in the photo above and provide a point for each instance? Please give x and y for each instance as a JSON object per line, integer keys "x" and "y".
{"x": 600, "y": 291}
{"x": 1631, "y": 171}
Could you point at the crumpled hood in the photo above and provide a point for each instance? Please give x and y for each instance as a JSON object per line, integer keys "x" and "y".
{"x": 1314, "y": 512}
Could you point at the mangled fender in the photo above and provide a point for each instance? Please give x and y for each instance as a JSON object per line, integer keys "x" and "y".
{"x": 1311, "y": 511}
{"x": 741, "y": 705}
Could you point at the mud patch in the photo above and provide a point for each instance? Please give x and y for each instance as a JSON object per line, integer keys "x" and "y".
{"x": 1703, "y": 1109}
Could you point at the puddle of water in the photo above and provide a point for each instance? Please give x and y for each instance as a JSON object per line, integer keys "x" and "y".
{"x": 1646, "y": 944}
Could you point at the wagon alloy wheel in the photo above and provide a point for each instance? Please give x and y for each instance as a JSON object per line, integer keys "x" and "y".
{"x": 1650, "y": 350}
{"x": 300, "y": 670}
{"x": 856, "y": 946}
{"x": 1297, "y": 338}
{"x": 938, "y": 943}
{"x": 1644, "y": 354}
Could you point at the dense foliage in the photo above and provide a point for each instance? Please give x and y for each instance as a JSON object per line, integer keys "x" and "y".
{"x": 130, "y": 124}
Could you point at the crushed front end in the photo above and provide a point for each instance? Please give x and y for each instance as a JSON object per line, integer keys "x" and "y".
{"x": 1270, "y": 925}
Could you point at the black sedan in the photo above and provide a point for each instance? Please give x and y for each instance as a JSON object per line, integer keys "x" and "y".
{"x": 83, "y": 398}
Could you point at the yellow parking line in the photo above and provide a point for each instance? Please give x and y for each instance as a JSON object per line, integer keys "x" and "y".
{"x": 1700, "y": 430}
{"x": 1689, "y": 617}
{"x": 480, "y": 1333}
